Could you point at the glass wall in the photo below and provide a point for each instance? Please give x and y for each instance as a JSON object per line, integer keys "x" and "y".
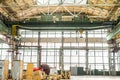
{"x": 74, "y": 49}
{"x": 5, "y": 50}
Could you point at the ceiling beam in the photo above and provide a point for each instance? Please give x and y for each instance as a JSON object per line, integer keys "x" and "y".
{"x": 60, "y": 25}
{"x": 114, "y": 32}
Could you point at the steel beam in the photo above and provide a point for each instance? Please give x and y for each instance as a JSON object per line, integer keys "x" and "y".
{"x": 114, "y": 32}
{"x": 55, "y": 5}
{"x": 60, "y": 25}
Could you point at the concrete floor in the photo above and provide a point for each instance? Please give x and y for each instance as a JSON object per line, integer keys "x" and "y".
{"x": 95, "y": 78}
{"x": 92, "y": 78}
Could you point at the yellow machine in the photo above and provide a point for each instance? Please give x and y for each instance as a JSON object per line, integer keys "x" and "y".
{"x": 38, "y": 75}
{"x": 29, "y": 72}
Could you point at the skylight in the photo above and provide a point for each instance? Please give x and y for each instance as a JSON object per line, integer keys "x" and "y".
{"x": 63, "y": 2}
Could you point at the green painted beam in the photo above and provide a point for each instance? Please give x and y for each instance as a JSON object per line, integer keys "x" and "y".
{"x": 115, "y": 31}
{"x": 63, "y": 28}
{"x": 3, "y": 28}
{"x": 60, "y": 25}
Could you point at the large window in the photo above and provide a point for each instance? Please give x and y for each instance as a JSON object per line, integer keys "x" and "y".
{"x": 56, "y": 2}
{"x": 74, "y": 49}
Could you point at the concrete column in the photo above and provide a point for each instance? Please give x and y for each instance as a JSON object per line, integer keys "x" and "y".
{"x": 61, "y": 64}
{"x": 118, "y": 60}
{"x": 114, "y": 65}
{"x": 111, "y": 54}
{"x": 39, "y": 52}
{"x": 62, "y": 52}
{"x": 87, "y": 63}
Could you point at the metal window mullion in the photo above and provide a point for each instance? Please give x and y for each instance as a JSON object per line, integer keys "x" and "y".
{"x": 109, "y": 59}
{"x": 102, "y": 53}
{"x": 70, "y": 52}
{"x": 24, "y": 48}
{"x": 114, "y": 64}
{"x": 31, "y": 52}
{"x": 47, "y": 49}
{"x": 48, "y": 7}
{"x": 1, "y": 51}
{"x": 94, "y": 53}
{"x": 77, "y": 49}
{"x": 23, "y": 51}
{"x": 55, "y": 53}
{"x": 31, "y": 49}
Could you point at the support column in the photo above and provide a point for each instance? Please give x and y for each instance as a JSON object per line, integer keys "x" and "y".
{"x": 54, "y": 55}
{"x": 112, "y": 70}
{"x": 15, "y": 42}
{"x": 111, "y": 54}
{"x": 62, "y": 50}
{"x": 118, "y": 60}
{"x": 13, "y": 49}
{"x": 114, "y": 65}
{"x": 87, "y": 63}
{"x": 61, "y": 64}
{"x": 39, "y": 52}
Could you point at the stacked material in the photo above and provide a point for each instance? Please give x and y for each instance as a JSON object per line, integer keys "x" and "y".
{"x": 54, "y": 77}
{"x": 65, "y": 74}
